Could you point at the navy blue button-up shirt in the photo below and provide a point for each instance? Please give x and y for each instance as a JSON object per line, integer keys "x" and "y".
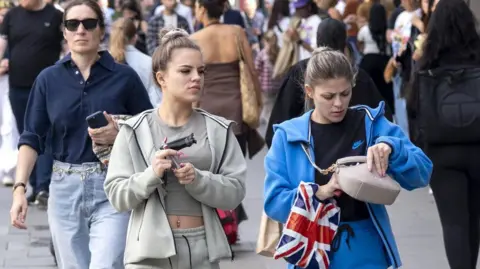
{"x": 61, "y": 99}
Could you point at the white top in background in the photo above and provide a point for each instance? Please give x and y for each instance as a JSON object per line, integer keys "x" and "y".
{"x": 341, "y": 7}
{"x": 369, "y": 45}
{"x": 308, "y": 33}
{"x": 283, "y": 24}
{"x": 142, "y": 64}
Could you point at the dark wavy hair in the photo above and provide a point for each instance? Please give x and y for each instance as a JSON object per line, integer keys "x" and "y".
{"x": 451, "y": 30}
{"x": 426, "y": 16}
{"x": 333, "y": 34}
{"x": 214, "y": 8}
{"x": 377, "y": 23}
{"x": 280, "y": 10}
{"x": 134, "y": 6}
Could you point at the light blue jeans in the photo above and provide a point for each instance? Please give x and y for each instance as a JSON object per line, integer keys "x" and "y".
{"x": 87, "y": 232}
{"x": 401, "y": 117}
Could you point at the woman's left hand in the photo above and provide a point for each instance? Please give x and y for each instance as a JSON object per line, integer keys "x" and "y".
{"x": 105, "y": 135}
{"x": 185, "y": 174}
{"x": 377, "y": 158}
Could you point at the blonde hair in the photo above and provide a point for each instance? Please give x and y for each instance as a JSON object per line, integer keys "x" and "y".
{"x": 123, "y": 31}
{"x": 6, "y": 4}
{"x": 170, "y": 40}
{"x": 273, "y": 49}
{"x": 363, "y": 10}
{"x": 325, "y": 64}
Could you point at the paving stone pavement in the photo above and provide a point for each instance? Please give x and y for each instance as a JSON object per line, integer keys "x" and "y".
{"x": 414, "y": 219}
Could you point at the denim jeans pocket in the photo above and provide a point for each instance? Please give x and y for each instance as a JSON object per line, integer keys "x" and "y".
{"x": 57, "y": 177}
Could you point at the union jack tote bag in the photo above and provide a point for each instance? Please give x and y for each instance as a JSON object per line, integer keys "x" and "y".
{"x": 307, "y": 236}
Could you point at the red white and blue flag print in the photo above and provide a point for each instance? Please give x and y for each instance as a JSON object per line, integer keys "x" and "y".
{"x": 307, "y": 236}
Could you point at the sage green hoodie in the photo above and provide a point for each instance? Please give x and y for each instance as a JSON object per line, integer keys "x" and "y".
{"x": 131, "y": 184}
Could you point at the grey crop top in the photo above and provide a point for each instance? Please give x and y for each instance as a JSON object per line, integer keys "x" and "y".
{"x": 178, "y": 201}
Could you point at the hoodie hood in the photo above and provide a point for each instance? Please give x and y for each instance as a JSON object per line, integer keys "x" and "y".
{"x": 296, "y": 129}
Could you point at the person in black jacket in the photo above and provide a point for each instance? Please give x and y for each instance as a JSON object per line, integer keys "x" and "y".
{"x": 290, "y": 101}
{"x": 451, "y": 142}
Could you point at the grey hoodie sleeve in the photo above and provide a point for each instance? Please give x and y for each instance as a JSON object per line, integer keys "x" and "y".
{"x": 126, "y": 189}
{"x": 224, "y": 190}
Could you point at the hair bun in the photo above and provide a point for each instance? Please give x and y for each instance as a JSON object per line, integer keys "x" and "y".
{"x": 168, "y": 34}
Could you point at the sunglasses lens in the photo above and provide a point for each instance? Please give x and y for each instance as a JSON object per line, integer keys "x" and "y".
{"x": 90, "y": 24}
{"x": 72, "y": 25}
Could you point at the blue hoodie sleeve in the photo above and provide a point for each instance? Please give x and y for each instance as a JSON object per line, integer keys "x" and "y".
{"x": 408, "y": 164}
{"x": 279, "y": 192}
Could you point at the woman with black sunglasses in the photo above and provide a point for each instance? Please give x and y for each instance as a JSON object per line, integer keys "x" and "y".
{"x": 87, "y": 231}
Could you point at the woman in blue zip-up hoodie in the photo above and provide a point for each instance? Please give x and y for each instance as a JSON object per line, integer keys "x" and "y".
{"x": 364, "y": 238}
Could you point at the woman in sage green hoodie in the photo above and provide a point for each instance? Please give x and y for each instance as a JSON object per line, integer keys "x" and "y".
{"x": 173, "y": 221}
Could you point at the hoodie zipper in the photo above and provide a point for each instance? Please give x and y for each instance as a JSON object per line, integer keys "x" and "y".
{"x": 146, "y": 165}
{"x": 370, "y": 209}
{"x": 145, "y": 206}
{"x": 222, "y": 159}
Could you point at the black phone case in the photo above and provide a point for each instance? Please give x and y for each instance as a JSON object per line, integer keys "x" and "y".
{"x": 97, "y": 120}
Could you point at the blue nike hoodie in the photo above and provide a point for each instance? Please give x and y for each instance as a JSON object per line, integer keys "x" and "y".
{"x": 286, "y": 165}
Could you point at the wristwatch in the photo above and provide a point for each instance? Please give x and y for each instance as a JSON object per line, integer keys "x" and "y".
{"x": 19, "y": 184}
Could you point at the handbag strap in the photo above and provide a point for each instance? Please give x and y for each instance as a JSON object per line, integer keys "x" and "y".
{"x": 241, "y": 54}
{"x": 306, "y": 149}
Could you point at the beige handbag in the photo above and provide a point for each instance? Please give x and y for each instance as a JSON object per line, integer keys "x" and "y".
{"x": 363, "y": 185}
{"x": 268, "y": 236}
{"x": 251, "y": 101}
{"x": 358, "y": 182}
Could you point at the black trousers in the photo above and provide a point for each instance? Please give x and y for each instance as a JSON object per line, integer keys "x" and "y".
{"x": 456, "y": 187}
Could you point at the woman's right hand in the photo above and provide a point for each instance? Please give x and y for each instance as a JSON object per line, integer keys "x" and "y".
{"x": 328, "y": 190}
{"x": 161, "y": 163}
{"x": 350, "y": 19}
{"x": 18, "y": 212}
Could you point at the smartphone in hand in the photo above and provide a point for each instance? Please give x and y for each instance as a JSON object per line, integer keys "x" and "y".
{"x": 97, "y": 120}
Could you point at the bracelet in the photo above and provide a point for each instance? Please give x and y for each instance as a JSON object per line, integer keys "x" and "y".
{"x": 19, "y": 184}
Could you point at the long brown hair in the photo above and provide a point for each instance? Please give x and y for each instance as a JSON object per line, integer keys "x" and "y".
{"x": 123, "y": 31}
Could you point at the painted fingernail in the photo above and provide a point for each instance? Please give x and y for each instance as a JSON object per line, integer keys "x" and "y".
{"x": 179, "y": 153}
{"x": 182, "y": 165}
{"x": 165, "y": 140}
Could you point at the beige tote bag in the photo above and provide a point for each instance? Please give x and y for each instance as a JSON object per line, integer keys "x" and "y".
{"x": 268, "y": 236}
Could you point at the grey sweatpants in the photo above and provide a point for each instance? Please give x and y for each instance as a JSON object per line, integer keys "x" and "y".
{"x": 192, "y": 252}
